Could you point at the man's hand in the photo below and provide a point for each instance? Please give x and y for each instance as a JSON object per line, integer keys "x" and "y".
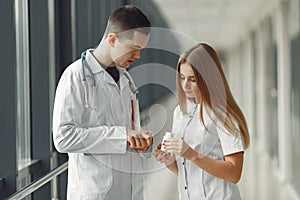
{"x": 139, "y": 140}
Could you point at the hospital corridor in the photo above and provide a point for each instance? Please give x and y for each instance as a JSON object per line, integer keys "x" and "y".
{"x": 257, "y": 43}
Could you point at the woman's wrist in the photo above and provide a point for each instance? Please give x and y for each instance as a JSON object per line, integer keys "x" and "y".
{"x": 196, "y": 156}
{"x": 191, "y": 154}
{"x": 170, "y": 161}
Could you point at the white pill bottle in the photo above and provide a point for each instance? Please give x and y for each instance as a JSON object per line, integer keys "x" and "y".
{"x": 168, "y": 135}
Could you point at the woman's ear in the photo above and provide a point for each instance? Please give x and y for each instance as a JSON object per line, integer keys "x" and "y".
{"x": 112, "y": 37}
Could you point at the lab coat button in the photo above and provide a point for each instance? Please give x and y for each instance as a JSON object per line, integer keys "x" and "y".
{"x": 185, "y": 187}
{"x": 183, "y": 163}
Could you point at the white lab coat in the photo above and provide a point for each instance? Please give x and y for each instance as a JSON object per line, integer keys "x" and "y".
{"x": 101, "y": 166}
{"x": 193, "y": 182}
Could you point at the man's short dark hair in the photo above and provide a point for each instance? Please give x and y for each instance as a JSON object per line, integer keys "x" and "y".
{"x": 126, "y": 18}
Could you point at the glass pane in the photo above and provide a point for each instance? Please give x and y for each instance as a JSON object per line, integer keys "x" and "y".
{"x": 23, "y": 93}
{"x": 294, "y": 34}
{"x": 271, "y": 91}
{"x": 295, "y": 110}
{"x": 255, "y": 85}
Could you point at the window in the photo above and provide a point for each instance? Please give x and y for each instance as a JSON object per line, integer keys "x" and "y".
{"x": 255, "y": 81}
{"x": 294, "y": 27}
{"x": 271, "y": 95}
{"x": 23, "y": 93}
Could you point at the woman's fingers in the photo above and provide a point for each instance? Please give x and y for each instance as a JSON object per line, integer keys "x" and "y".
{"x": 176, "y": 146}
{"x": 160, "y": 156}
{"x": 163, "y": 157}
{"x": 172, "y": 144}
{"x": 158, "y": 146}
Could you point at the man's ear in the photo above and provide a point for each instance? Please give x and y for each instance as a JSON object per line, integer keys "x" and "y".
{"x": 112, "y": 37}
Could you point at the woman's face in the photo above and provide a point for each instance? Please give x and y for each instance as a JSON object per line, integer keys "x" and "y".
{"x": 188, "y": 81}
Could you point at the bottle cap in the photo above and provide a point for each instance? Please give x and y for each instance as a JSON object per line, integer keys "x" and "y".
{"x": 169, "y": 134}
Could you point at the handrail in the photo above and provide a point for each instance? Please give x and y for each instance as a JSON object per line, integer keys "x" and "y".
{"x": 39, "y": 183}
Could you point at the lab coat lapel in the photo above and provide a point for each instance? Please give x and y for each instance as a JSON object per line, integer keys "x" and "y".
{"x": 109, "y": 79}
{"x": 126, "y": 96}
{"x": 123, "y": 80}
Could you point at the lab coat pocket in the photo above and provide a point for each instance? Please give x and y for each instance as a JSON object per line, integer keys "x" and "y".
{"x": 92, "y": 116}
{"x": 95, "y": 174}
{"x": 87, "y": 117}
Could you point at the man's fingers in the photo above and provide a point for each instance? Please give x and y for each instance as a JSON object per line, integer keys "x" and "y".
{"x": 144, "y": 142}
{"x": 149, "y": 141}
{"x": 147, "y": 136}
{"x": 146, "y": 132}
{"x": 137, "y": 142}
{"x": 140, "y": 141}
{"x": 132, "y": 142}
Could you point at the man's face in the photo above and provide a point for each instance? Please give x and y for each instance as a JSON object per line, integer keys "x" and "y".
{"x": 127, "y": 49}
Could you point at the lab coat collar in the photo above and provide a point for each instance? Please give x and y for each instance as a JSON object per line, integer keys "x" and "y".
{"x": 97, "y": 68}
{"x": 190, "y": 106}
{"x": 94, "y": 64}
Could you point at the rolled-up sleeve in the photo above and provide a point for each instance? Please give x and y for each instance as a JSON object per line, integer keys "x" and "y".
{"x": 230, "y": 143}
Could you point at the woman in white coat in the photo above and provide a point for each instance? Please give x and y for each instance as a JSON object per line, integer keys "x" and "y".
{"x": 210, "y": 131}
{"x": 92, "y": 114}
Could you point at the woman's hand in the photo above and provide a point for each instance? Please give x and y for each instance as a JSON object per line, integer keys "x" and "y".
{"x": 163, "y": 157}
{"x": 179, "y": 147}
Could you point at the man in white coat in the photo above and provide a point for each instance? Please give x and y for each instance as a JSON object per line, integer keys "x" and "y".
{"x": 92, "y": 118}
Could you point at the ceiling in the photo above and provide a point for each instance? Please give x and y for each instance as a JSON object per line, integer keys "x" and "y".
{"x": 216, "y": 22}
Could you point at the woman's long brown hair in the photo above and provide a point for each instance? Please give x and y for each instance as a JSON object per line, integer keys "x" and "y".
{"x": 214, "y": 90}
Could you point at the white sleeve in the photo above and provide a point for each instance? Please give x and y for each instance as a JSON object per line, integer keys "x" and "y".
{"x": 69, "y": 135}
{"x": 230, "y": 143}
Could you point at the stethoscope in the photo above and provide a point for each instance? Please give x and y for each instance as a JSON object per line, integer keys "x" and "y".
{"x": 86, "y": 65}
